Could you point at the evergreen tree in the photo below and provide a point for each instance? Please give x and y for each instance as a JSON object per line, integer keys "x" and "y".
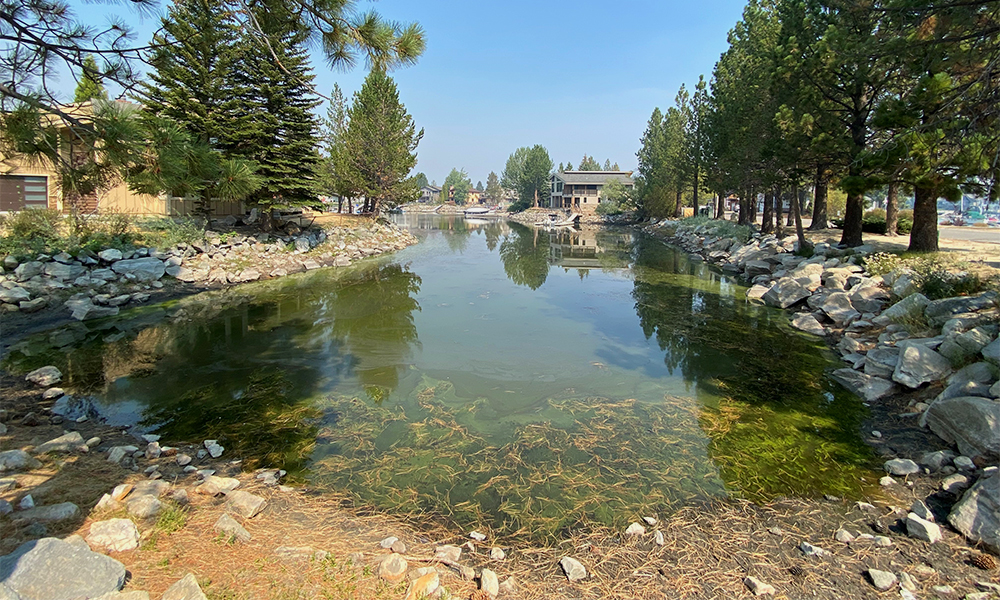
{"x": 192, "y": 62}
{"x": 333, "y": 172}
{"x": 569, "y": 166}
{"x": 493, "y": 190}
{"x": 381, "y": 142}
{"x": 276, "y": 128}
{"x": 421, "y": 180}
{"x": 479, "y": 186}
{"x": 607, "y": 164}
{"x": 459, "y": 184}
{"x": 90, "y": 86}
{"x": 588, "y": 163}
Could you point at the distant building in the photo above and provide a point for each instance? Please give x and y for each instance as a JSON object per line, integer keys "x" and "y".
{"x": 430, "y": 193}
{"x": 473, "y": 196}
{"x": 580, "y": 191}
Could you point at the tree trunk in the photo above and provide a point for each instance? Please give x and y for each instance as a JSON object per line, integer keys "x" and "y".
{"x": 694, "y": 200}
{"x": 744, "y": 216}
{"x": 720, "y": 206}
{"x": 340, "y": 204}
{"x": 779, "y": 229}
{"x": 791, "y": 214}
{"x": 852, "y": 221}
{"x": 797, "y": 210}
{"x": 820, "y": 216}
{"x": 924, "y": 236}
{"x": 752, "y": 203}
{"x": 678, "y": 206}
{"x": 767, "y": 221}
{"x": 892, "y": 209}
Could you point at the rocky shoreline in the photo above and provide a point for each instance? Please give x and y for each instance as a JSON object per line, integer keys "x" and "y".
{"x": 52, "y": 289}
{"x": 941, "y": 356}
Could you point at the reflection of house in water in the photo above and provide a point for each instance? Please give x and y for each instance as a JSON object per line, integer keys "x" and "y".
{"x": 584, "y": 249}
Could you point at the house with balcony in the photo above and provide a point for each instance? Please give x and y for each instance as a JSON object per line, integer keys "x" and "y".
{"x": 580, "y": 191}
{"x": 430, "y": 194}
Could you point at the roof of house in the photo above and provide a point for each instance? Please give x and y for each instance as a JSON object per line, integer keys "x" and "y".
{"x": 431, "y": 188}
{"x": 595, "y": 176}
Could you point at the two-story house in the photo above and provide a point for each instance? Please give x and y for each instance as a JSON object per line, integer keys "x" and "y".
{"x": 580, "y": 191}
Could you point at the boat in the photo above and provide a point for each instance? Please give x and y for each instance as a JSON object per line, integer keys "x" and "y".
{"x": 556, "y": 221}
{"x": 476, "y": 211}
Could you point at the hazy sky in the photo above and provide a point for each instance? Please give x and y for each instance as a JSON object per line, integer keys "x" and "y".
{"x": 577, "y": 77}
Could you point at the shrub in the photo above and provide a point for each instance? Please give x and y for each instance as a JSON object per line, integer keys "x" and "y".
{"x": 609, "y": 207}
{"x": 31, "y": 231}
{"x": 719, "y": 227}
{"x": 881, "y": 263}
{"x": 163, "y": 232}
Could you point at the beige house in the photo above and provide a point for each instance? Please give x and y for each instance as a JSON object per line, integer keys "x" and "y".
{"x": 28, "y": 184}
{"x": 580, "y": 191}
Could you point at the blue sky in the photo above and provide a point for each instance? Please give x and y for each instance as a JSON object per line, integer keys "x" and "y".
{"x": 577, "y": 77}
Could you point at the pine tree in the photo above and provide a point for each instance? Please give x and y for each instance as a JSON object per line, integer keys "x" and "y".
{"x": 90, "y": 86}
{"x": 191, "y": 70}
{"x": 493, "y": 190}
{"x": 272, "y": 88}
{"x": 381, "y": 142}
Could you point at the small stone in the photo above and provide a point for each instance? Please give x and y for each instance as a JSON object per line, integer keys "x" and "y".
{"x": 16, "y": 460}
{"x": 45, "y": 376}
{"x": 245, "y": 504}
{"x": 144, "y": 506}
{"x": 882, "y": 580}
{"x": 55, "y": 513}
{"x": 489, "y": 583}
{"x": 479, "y": 537}
{"x": 424, "y": 586}
{"x": 185, "y": 589}
{"x": 883, "y": 541}
{"x": 26, "y": 503}
{"x": 213, "y": 486}
{"x": 810, "y": 550}
{"x": 153, "y": 450}
{"x": 964, "y": 463}
{"x": 658, "y": 538}
{"x": 886, "y": 481}
{"x": 843, "y": 536}
{"x": 943, "y": 590}
{"x": 758, "y": 587}
{"x": 574, "y": 569}
{"x": 229, "y": 527}
{"x": 106, "y": 503}
{"x": 213, "y": 448}
{"x": 907, "y": 582}
{"x": 94, "y": 442}
{"x": 392, "y": 568}
{"x": 920, "y": 508}
{"x": 922, "y": 529}
{"x": 650, "y": 521}
{"x": 52, "y": 393}
{"x": 955, "y": 483}
{"x": 399, "y": 547}
{"x": 121, "y": 491}
{"x": 388, "y": 542}
{"x": 448, "y": 552}
{"x": 901, "y": 466}
{"x": 497, "y": 554}
{"x": 116, "y": 535}
{"x": 635, "y": 529}
{"x": 183, "y": 460}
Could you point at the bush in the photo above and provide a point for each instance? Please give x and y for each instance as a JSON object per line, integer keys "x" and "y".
{"x": 164, "y": 232}
{"x": 719, "y": 227}
{"x": 30, "y": 231}
{"x": 110, "y": 229}
{"x": 609, "y": 207}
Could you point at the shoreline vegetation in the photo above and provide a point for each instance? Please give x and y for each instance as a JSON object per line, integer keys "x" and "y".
{"x": 168, "y": 511}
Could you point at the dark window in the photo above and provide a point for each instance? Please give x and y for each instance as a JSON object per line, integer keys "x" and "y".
{"x": 18, "y": 192}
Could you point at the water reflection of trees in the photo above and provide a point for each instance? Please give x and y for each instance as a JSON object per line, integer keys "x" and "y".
{"x": 776, "y": 425}
{"x": 525, "y": 256}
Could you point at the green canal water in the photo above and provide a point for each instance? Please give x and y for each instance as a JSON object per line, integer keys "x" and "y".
{"x": 493, "y": 375}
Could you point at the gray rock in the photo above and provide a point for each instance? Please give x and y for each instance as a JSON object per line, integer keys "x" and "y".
{"x": 130, "y": 595}
{"x": 920, "y": 508}
{"x": 922, "y": 529}
{"x": 936, "y": 460}
{"x": 28, "y": 270}
{"x": 964, "y": 463}
{"x": 980, "y": 372}
{"x": 919, "y": 365}
{"x": 143, "y": 506}
{"x": 213, "y": 486}
{"x": 83, "y": 309}
{"x": 869, "y": 299}
{"x": 882, "y": 580}
{"x": 995, "y": 390}
{"x": 116, "y": 535}
{"x": 808, "y": 323}
{"x": 143, "y": 269}
{"x": 754, "y": 268}
{"x": 969, "y": 388}
{"x": 110, "y": 255}
{"x": 186, "y": 588}
{"x": 882, "y": 362}
{"x": 489, "y": 583}
{"x": 45, "y": 376}
{"x": 64, "y": 443}
{"x": 955, "y": 483}
{"x": 16, "y": 460}
{"x": 392, "y": 568}
{"x": 53, "y": 569}
{"x": 63, "y": 271}
{"x": 901, "y": 466}
{"x": 971, "y": 423}
{"x": 214, "y": 449}
{"x": 448, "y": 552}
{"x": 14, "y": 295}
{"x": 939, "y": 311}
{"x": 574, "y": 569}
{"x": 244, "y": 504}
{"x": 30, "y": 306}
{"x": 228, "y": 526}
{"x": 992, "y": 352}
{"x": 838, "y": 307}
{"x": 909, "y": 309}
{"x": 117, "y": 453}
{"x": 977, "y": 514}
{"x": 868, "y": 387}
{"x": 785, "y": 293}
{"x": 71, "y": 407}
{"x": 55, "y": 513}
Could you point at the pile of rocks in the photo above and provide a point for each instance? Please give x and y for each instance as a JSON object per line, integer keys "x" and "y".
{"x": 895, "y": 340}
{"x": 93, "y": 285}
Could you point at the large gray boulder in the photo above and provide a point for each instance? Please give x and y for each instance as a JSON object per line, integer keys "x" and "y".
{"x": 939, "y": 311}
{"x": 908, "y": 309}
{"x": 808, "y": 323}
{"x": 14, "y": 295}
{"x": 868, "y": 387}
{"x": 977, "y": 514}
{"x": 116, "y": 535}
{"x": 992, "y": 352}
{"x": 52, "y": 569}
{"x": 84, "y": 309}
{"x": 143, "y": 269}
{"x": 881, "y": 362}
{"x": 28, "y": 270}
{"x": 838, "y": 307}
{"x": 972, "y": 423}
{"x": 870, "y": 298}
{"x": 65, "y": 443}
{"x": 44, "y": 376}
{"x": 785, "y": 293}
{"x": 54, "y": 513}
{"x": 62, "y": 271}
{"x": 918, "y": 365}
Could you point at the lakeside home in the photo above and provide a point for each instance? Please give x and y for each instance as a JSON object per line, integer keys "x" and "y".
{"x": 580, "y": 191}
